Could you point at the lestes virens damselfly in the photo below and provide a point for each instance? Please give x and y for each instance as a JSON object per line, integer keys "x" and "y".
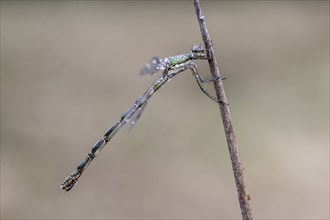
{"x": 170, "y": 66}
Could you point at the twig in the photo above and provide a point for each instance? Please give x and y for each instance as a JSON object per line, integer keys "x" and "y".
{"x": 243, "y": 195}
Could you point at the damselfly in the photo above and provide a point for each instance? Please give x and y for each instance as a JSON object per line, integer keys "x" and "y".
{"x": 170, "y": 67}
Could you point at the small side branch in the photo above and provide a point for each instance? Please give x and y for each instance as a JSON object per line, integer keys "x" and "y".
{"x": 243, "y": 196}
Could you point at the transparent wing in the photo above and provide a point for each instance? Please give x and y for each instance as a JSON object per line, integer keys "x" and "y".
{"x": 132, "y": 121}
{"x": 152, "y": 66}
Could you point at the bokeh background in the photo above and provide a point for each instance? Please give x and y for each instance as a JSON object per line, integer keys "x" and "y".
{"x": 69, "y": 69}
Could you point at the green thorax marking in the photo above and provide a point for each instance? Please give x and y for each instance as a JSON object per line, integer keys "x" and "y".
{"x": 178, "y": 59}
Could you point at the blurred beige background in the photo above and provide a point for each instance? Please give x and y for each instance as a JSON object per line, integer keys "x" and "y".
{"x": 69, "y": 69}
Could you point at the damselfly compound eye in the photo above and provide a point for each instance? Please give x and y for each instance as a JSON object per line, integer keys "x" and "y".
{"x": 197, "y": 49}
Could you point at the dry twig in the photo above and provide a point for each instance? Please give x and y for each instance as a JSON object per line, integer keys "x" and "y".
{"x": 243, "y": 195}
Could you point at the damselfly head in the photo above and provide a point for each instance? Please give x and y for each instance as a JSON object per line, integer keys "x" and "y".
{"x": 198, "y": 52}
